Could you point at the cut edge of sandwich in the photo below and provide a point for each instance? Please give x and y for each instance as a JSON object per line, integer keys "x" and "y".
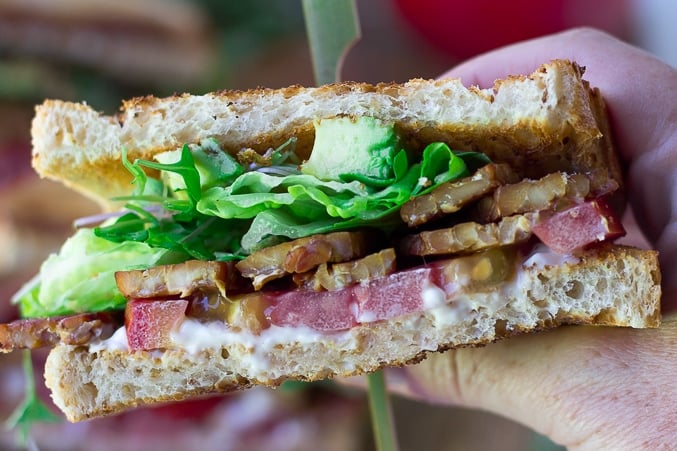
{"x": 547, "y": 121}
{"x": 611, "y": 286}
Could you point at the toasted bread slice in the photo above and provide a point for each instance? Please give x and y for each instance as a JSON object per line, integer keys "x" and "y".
{"x": 614, "y": 285}
{"x": 550, "y": 120}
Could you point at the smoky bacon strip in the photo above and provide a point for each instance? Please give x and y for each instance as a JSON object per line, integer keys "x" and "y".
{"x": 181, "y": 279}
{"x": 340, "y": 275}
{"x": 80, "y": 329}
{"x": 450, "y": 197}
{"x": 469, "y": 237}
{"x": 302, "y": 255}
{"x": 533, "y": 195}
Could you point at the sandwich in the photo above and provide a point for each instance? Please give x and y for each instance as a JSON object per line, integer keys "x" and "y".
{"x": 255, "y": 237}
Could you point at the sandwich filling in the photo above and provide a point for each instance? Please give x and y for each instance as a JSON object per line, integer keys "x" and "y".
{"x": 364, "y": 230}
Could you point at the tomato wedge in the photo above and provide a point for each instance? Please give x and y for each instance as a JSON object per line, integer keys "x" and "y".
{"x": 395, "y": 295}
{"x": 382, "y": 298}
{"x": 150, "y": 321}
{"x": 580, "y": 226}
{"x": 320, "y": 310}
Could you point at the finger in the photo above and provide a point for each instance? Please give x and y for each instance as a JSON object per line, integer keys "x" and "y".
{"x": 587, "y": 387}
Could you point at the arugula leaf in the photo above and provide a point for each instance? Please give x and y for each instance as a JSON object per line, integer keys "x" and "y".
{"x": 439, "y": 165}
{"x": 179, "y": 227}
{"x": 139, "y": 175}
{"x": 473, "y": 160}
{"x": 185, "y": 167}
{"x": 215, "y": 167}
{"x": 128, "y": 227}
{"x": 32, "y": 410}
{"x": 247, "y": 210}
{"x": 255, "y": 208}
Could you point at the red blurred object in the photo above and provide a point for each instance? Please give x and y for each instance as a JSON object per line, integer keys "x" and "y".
{"x": 465, "y": 28}
{"x": 16, "y": 161}
{"x": 194, "y": 409}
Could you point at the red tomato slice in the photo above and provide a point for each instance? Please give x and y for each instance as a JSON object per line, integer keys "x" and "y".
{"x": 578, "y": 227}
{"x": 150, "y": 321}
{"x": 392, "y": 296}
{"x": 319, "y": 310}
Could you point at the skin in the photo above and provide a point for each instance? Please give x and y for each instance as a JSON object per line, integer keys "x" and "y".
{"x": 586, "y": 387}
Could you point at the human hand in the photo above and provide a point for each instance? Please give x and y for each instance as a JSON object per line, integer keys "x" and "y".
{"x": 586, "y": 387}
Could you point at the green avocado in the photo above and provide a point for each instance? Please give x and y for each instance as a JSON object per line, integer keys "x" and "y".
{"x": 352, "y": 148}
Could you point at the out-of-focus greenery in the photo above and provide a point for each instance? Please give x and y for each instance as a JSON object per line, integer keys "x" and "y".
{"x": 244, "y": 29}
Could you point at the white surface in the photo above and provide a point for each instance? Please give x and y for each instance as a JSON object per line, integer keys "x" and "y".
{"x": 656, "y": 27}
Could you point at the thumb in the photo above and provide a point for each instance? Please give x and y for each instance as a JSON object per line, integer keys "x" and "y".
{"x": 584, "y": 387}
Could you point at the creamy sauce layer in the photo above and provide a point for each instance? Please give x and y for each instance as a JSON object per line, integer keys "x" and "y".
{"x": 541, "y": 256}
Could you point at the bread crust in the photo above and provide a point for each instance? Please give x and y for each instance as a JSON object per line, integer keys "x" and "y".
{"x": 549, "y": 120}
{"x": 612, "y": 286}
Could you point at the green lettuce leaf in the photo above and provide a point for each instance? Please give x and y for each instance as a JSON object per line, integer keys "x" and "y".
{"x": 81, "y": 277}
{"x": 439, "y": 165}
{"x": 255, "y": 192}
{"x": 258, "y": 209}
{"x": 246, "y": 211}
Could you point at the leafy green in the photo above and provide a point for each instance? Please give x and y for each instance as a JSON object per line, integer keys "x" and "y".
{"x": 255, "y": 209}
{"x": 439, "y": 165}
{"x": 371, "y": 208}
{"x": 214, "y": 166}
{"x": 400, "y": 164}
{"x": 32, "y": 410}
{"x": 178, "y": 226}
{"x": 473, "y": 160}
{"x": 185, "y": 167}
{"x": 254, "y": 192}
{"x": 145, "y": 186}
{"x": 87, "y": 264}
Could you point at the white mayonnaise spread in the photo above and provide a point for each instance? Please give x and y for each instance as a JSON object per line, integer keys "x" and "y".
{"x": 433, "y": 296}
{"x": 116, "y": 342}
{"x": 194, "y": 336}
{"x": 541, "y": 256}
{"x": 366, "y": 317}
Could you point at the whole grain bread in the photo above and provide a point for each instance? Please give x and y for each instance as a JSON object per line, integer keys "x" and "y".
{"x": 616, "y": 286}
{"x": 549, "y": 120}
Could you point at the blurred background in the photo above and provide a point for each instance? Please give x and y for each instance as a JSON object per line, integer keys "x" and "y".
{"x": 100, "y": 52}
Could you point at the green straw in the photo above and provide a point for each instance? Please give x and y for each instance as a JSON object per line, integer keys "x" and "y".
{"x": 333, "y": 27}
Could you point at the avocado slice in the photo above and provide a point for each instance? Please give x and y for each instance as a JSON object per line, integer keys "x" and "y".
{"x": 352, "y": 148}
